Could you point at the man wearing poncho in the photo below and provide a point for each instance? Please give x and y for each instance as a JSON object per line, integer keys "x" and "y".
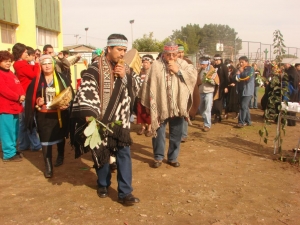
{"x": 106, "y": 92}
{"x": 168, "y": 97}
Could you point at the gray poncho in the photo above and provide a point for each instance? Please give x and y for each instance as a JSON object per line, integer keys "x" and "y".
{"x": 168, "y": 95}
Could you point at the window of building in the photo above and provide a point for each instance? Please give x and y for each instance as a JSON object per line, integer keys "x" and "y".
{"x": 46, "y": 37}
{"x": 8, "y": 33}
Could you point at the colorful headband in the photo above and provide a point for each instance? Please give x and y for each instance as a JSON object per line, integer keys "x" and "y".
{"x": 216, "y": 58}
{"x": 204, "y": 62}
{"x": 180, "y": 48}
{"x": 46, "y": 61}
{"x": 172, "y": 48}
{"x": 117, "y": 42}
{"x": 147, "y": 58}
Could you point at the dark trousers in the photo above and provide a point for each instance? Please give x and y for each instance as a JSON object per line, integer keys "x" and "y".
{"x": 217, "y": 107}
{"x": 124, "y": 172}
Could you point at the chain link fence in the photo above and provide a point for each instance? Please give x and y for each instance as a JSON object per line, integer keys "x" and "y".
{"x": 257, "y": 52}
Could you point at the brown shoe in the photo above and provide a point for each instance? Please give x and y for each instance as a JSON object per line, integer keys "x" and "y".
{"x": 239, "y": 125}
{"x": 174, "y": 164}
{"x": 206, "y": 129}
{"x": 15, "y": 158}
{"x": 148, "y": 133}
{"x": 157, "y": 164}
{"x": 183, "y": 140}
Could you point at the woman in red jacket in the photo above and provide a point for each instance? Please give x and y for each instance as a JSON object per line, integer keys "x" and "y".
{"x": 11, "y": 97}
{"x": 26, "y": 72}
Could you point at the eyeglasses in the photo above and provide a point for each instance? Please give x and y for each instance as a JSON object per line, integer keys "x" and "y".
{"x": 171, "y": 54}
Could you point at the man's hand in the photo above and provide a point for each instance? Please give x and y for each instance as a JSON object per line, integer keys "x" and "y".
{"x": 60, "y": 55}
{"x": 172, "y": 66}
{"x": 232, "y": 84}
{"x": 120, "y": 70}
{"x": 64, "y": 107}
{"x": 226, "y": 90}
{"x": 22, "y": 98}
{"x": 40, "y": 101}
{"x": 87, "y": 119}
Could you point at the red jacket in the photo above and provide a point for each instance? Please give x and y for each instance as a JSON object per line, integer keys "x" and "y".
{"x": 26, "y": 72}
{"x": 10, "y": 92}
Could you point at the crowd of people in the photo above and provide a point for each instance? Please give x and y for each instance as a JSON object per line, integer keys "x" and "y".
{"x": 168, "y": 91}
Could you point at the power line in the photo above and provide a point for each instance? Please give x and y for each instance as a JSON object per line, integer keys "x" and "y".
{"x": 89, "y": 37}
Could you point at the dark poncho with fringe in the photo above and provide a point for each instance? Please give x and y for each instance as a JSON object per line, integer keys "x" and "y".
{"x": 107, "y": 99}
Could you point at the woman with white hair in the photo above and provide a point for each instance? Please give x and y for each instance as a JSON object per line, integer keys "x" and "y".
{"x": 52, "y": 122}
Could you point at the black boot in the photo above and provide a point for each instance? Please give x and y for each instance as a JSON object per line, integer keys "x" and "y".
{"x": 47, "y": 153}
{"x": 60, "y": 154}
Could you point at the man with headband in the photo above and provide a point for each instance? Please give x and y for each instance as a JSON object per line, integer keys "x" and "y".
{"x": 222, "y": 87}
{"x": 206, "y": 90}
{"x": 168, "y": 97}
{"x": 106, "y": 93}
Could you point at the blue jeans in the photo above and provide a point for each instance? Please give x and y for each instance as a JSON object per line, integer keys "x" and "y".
{"x": 9, "y": 128}
{"x": 244, "y": 116}
{"x": 254, "y": 104}
{"x": 27, "y": 139}
{"x": 206, "y": 102}
{"x": 185, "y": 129}
{"x": 175, "y": 133}
{"x": 124, "y": 172}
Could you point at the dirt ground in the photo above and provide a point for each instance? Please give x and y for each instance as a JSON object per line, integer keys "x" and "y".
{"x": 227, "y": 176}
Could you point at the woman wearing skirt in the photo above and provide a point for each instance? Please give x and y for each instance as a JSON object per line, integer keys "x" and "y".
{"x": 52, "y": 122}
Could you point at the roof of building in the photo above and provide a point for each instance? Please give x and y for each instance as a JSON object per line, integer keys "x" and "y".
{"x": 79, "y": 48}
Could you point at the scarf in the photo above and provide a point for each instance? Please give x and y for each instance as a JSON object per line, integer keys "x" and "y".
{"x": 37, "y": 86}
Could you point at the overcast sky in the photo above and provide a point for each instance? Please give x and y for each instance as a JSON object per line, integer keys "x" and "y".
{"x": 253, "y": 20}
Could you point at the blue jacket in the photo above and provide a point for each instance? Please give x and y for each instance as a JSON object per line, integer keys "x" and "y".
{"x": 246, "y": 87}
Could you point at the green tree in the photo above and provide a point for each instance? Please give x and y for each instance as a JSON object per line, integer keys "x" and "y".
{"x": 147, "y": 44}
{"x": 278, "y": 45}
{"x": 211, "y": 34}
{"x": 185, "y": 45}
{"x": 206, "y": 38}
{"x": 279, "y": 89}
{"x": 190, "y": 34}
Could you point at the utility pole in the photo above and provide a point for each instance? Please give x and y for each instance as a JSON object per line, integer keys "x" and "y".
{"x": 77, "y": 37}
{"x": 131, "y": 22}
{"x": 86, "y": 30}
